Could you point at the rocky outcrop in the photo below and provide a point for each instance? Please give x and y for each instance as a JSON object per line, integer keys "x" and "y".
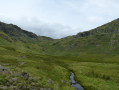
{"x": 20, "y": 81}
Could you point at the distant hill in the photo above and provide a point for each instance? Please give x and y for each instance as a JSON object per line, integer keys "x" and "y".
{"x": 101, "y": 40}
{"x": 21, "y": 40}
{"x": 110, "y": 27}
{"x": 16, "y": 33}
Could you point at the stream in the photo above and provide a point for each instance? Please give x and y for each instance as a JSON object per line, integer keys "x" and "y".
{"x": 74, "y": 83}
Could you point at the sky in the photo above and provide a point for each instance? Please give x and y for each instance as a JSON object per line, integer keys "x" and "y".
{"x": 58, "y": 18}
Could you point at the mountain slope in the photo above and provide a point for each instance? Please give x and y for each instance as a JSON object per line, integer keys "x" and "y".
{"x": 21, "y": 40}
{"x": 16, "y": 33}
{"x": 101, "y": 40}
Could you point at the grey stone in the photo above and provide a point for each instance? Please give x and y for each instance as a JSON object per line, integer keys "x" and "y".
{"x": 4, "y": 87}
{"x": 50, "y": 81}
{"x": 49, "y": 88}
{"x": 14, "y": 79}
{"x": 24, "y": 87}
{"x": 21, "y": 63}
{"x": 4, "y": 70}
{"x": 44, "y": 89}
{"x": 41, "y": 89}
{"x": 5, "y": 64}
{"x": 68, "y": 83}
{"x": 32, "y": 83}
{"x": 25, "y": 75}
{"x": 63, "y": 81}
{"x": 33, "y": 79}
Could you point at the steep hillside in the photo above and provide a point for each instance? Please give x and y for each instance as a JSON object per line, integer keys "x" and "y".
{"x": 101, "y": 40}
{"x": 111, "y": 27}
{"x": 21, "y": 40}
{"x": 17, "y": 33}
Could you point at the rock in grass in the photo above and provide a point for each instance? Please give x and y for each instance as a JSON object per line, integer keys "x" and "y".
{"x": 33, "y": 79}
{"x": 41, "y": 88}
{"x": 21, "y": 63}
{"x": 5, "y": 64}
{"x": 14, "y": 79}
{"x": 25, "y": 75}
{"x": 4, "y": 88}
{"x": 49, "y": 88}
{"x": 33, "y": 84}
{"x": 4, "y": 70}
{"x": 50, "y": 81}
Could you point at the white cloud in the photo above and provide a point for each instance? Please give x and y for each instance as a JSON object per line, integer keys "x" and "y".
{"x": 41, "y": 28}
{"x": 58, "y": 18}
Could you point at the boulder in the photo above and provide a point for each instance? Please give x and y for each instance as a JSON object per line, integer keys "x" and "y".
{"x": 25, "y": 75}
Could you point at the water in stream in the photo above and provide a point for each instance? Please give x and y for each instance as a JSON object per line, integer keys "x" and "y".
{"x": 74, "y": 83}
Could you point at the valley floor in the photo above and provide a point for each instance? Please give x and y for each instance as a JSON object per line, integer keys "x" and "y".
{"x": 25, "y": 71}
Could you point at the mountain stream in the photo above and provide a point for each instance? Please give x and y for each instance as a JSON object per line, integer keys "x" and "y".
{"x": 74, "y": 83}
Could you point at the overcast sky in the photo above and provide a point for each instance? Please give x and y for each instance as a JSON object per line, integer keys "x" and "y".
{"x": 58, "y": 18}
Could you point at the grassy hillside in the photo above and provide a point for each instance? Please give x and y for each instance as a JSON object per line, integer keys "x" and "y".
{"x": 30, "y": 61}
{"x": 101, "y": 40}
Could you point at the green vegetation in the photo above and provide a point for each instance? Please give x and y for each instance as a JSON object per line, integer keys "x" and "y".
{"x": 97, "y": 76}
{"x": 40, "y": 62}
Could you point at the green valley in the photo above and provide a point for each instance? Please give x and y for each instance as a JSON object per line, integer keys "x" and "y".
{"x": 31, "y": 62}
